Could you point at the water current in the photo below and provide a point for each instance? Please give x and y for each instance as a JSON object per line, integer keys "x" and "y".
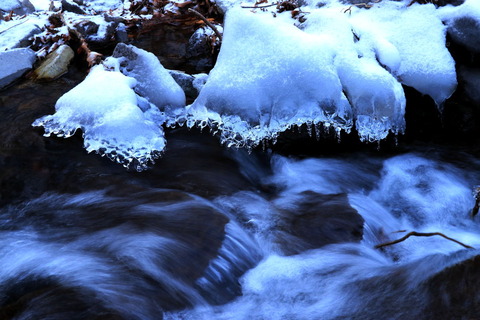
{"x": 217, "y": 233}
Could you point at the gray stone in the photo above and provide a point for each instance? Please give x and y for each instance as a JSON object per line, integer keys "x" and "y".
{"x": 19, "y": 35}
{"x": 19, "y": 7}
{"x": 185, "y": 81}
{"x": 14, "y": 63}
{"x": 465, "y": 31}
{"x": 71, "y": 6}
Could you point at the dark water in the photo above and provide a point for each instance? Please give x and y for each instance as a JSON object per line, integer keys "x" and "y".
{"x": 217, "y": 233}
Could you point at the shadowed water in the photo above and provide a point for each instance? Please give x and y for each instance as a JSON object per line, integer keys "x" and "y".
{"x": 217, "y": 233}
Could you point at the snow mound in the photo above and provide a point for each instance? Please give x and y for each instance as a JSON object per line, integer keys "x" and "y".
{"x": 418, "y": 35}
{"x": 268, "y": 77}
{"x": 115, "y": 121}
{"x": 377, "y": 98}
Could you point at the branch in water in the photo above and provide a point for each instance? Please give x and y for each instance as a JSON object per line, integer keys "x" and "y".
{"x": 421, "y": 234}
{"x": 219, "y": 35}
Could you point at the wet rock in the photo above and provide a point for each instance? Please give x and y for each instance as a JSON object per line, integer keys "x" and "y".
{"x": 97, "y": 31}
{"x": 185, "y": 81}
{"x": 316, "y": 220}
{"x": 168, "y": 38}
{"x": 14, "y": 64}
{"x": 71, "y": 6}
{"x": 19, "y": 7}
{"x": 56, "y": 64}
{"x": 191, "y": 84}
{"x": 200, "y": 47}
{"x": 465, "y": 30}
{"x": 453, "y": 292}
{"x": 471, "y": 81}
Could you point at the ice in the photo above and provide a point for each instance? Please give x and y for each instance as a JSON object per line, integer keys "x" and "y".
{"x": 115, "y": 121}
{"x": 376, "y": 97}
{"x": 418, "y": 35}
{"x": 269, "y": 76}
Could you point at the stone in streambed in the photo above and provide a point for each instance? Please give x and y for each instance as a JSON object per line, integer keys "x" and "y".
{"x": 316, "y": 220}
{"x": 191, "y": 84}
{"x": 14, "y": 63}
{"x": 56, "y": 64}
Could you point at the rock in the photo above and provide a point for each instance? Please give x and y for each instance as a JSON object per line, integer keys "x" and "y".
{"x": 318, "y": 220}
{"x": 71, "y": 6}
{"x": 98, "y": 32}
{"x": 471, "y": 79}
{"x": 19, "y": 7}
{"x": 453, "y": 292}
{"x": 14, "y": 64}
{"x": 17, "y": 34}
{"x": 56, "y": 63}
{"x": 159, "y": 87}
{"x": 191, "y": 84}
{"x": 465, "y": 31}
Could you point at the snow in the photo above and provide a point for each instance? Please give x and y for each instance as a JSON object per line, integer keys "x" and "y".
{"x": 377, "y": 98}
{"x": 341, "y": 69}
{"x": 41, "y": 5}
{"x": 15, "y": 33}
{"x": 159, "y": 86}
{"x": 419, "y": 37}
{"x": 105, "y": 107}
{"x": 269, "y": 76}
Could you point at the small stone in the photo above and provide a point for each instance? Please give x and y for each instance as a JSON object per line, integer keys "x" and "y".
{"x": 185, "y": 81}
{"x": 14, "y": 63}
{"x": 71, "y": 6}
{"x": 56, "y": 64}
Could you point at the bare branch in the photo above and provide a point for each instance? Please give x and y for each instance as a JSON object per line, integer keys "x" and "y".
{"x": 219, "y": 35}
{"x": 421, "y": 234}
{"x": 260, "y": 7}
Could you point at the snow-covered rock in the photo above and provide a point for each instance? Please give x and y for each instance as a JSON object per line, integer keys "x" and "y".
{"x": 115, "y": 121}
{"x": 17, "y": 33}
{"x": 153, "y": 80}
{"x": 418, "y": 35}
{"x": 14, "y": 63}
{"x": 269, "y": 76}
{"x": 463, "y": 23}
{"x": 19, "y": 7}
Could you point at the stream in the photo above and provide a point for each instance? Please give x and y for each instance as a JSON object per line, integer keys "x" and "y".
{"x": 216, "y": 233}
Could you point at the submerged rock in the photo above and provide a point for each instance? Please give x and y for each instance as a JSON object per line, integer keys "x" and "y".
{"x": 317, "y": 220}
{"x": 56, "y": 64}
{"x": 14, "y": 64}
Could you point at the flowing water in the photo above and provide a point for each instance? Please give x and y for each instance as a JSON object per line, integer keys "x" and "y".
{"x": 216, "y": 233}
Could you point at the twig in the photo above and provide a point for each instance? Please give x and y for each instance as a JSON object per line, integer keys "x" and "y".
{"x": 421, "y": 234}
{"x": 259, "y": 7}
{"x": 219, "y": 35}
{"x": 13, "y": 26}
